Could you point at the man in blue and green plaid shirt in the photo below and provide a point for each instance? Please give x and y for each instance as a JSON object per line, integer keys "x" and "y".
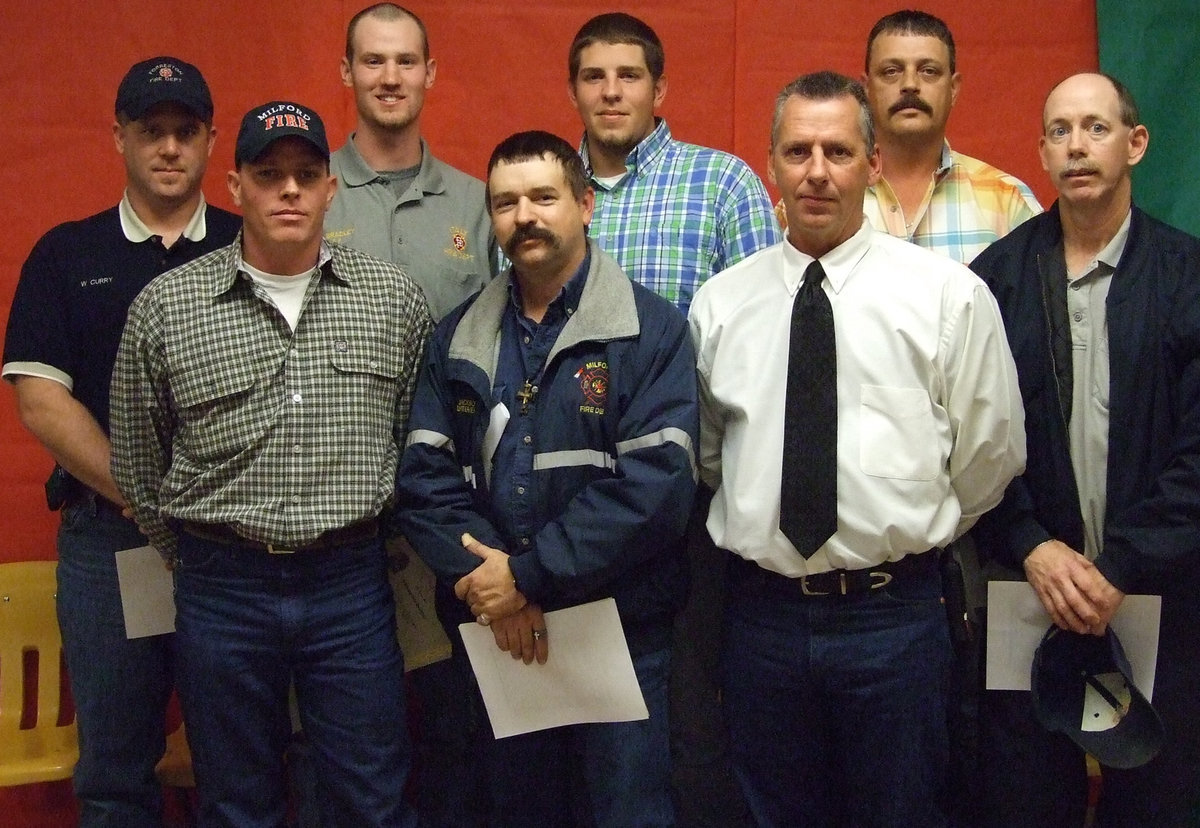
{"x": 672, "y": 215}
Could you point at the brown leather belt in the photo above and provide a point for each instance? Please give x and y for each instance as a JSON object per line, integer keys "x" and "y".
{"x": 837, "y": 581}
{"x": 224, "y": 534}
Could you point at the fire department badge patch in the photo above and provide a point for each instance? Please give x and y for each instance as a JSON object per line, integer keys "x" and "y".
{"x": 593, "y": 382}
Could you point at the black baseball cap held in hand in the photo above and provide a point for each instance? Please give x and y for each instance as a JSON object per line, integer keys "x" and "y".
{"x": 267, "y": 123}
{"x": 159, "y": 80}
{"x": 1083, "y": 687}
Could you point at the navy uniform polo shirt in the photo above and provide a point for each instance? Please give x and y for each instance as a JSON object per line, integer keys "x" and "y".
{"x": 75, "y": 290}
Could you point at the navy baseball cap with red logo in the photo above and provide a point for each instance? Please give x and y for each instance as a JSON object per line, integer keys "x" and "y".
{"x": 267, "y": 123}
{"x": 159, "y": 80}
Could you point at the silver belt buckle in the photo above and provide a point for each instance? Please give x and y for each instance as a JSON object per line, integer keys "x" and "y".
{"x": 804, "y": 587}
{"x": 881, "y": 579}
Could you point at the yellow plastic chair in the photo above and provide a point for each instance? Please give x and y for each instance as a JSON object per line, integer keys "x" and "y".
{"x": 43, "y": 750}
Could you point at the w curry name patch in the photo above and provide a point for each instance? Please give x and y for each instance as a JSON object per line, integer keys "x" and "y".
{"x": 593, "y": 382}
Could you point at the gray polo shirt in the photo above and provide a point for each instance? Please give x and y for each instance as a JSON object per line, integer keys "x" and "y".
{"x": 1087, "y": 299}
{"x": 438, "y": 230}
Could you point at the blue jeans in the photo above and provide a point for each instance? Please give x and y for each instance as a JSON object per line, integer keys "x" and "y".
{"x": 706, "y": 793}
{"x": 836, "y": 705}
{"x": 610, "y": 775}
{"x": 248, "y": 623}
{"x": 120, "y": 687}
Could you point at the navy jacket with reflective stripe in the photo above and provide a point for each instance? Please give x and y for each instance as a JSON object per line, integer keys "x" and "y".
{"x": 615, "y": 432}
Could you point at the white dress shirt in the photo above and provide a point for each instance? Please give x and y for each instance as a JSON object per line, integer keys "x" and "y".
{"x": 930, "y": 423}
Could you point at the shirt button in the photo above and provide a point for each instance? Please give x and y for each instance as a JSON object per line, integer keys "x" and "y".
{"x": 524, "y": 541}
{"x": 894, "y": 208}
{"x": 527, "y": 339}
{"x": 520, "y": 490}
{"x": 295, "y": 500}
{"x": 527, "y": 440}
{"x": 297, "y": 398}
{"x": 1078, "y": 316}
{"x": 296, "y": 448}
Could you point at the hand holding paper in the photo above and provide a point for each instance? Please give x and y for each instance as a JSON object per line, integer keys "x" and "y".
{"x": 1074, "y": 593}
{"x": 590, "y": 678}
{"x": 523, "y": 634}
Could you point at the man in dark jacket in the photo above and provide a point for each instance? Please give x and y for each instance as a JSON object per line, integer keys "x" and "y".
{"x": 1102, "y": 308}
{"x": 551, "y": 462}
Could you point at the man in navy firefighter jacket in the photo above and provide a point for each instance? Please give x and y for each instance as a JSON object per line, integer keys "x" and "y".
{"x": 551, "y": 462}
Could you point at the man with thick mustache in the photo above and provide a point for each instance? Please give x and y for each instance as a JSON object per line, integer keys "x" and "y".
{"x": 929, "y": 194}
{"x": 953, "y": 204}
{"x": 551, "y": 462}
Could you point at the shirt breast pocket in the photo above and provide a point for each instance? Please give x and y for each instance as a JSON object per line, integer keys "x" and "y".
{"x": 218, "y": 417}
{"x": 897, "y": 434}
{"x": 367, "y": 379}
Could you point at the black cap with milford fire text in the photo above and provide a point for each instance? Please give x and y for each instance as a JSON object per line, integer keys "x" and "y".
{"x": 267, "y": 123}
{"x": 159, "y": 80}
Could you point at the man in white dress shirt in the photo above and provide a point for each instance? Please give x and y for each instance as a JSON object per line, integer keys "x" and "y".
{"x": 834, "y": 663}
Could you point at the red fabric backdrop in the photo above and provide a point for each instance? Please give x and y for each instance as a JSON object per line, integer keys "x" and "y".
{"x": 501, "y": 68}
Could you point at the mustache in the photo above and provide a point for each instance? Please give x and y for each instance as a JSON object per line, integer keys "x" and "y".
{"x": 1080, "y": 167}
{"x": 910, "y": 101}
{"x": 531, "y": 233}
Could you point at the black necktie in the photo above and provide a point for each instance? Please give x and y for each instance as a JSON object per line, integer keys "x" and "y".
{"x": 808, "y": 494}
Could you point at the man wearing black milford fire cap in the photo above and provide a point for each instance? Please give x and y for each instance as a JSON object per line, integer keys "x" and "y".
{"x": 260, "y": 398}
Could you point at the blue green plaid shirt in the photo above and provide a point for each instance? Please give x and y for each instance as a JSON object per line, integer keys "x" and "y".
{"x": 681, "y": 214}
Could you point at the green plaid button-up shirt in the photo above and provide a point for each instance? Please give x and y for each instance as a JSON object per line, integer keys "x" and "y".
{"x": 222, "y": 414}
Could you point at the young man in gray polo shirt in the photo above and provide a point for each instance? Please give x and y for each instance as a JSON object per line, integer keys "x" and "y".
{"x": 394, "y": 199}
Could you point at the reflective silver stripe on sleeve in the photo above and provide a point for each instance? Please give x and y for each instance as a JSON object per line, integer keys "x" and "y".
{"x": 425, "y": 437}
{"x": 667, "y": 435}
{"x": 578, "y": 457}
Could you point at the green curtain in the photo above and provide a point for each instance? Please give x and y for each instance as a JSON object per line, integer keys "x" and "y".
{"x": 1153, "y": 47}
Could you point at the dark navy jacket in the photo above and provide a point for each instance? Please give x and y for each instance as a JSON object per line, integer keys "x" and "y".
{"x": 1152, "y": 514}
{"x": 614, "y": 437}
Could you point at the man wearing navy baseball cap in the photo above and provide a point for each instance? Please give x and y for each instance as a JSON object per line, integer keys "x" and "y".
{"x": 260, "y": 401}
{"x": 163, "y": 80}
{"x": 63, "y": 330}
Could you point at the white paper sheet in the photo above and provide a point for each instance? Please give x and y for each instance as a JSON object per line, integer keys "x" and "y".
{"x": 1017, "y": 621}
{"x": 587, "y": 678}
{"x": 147, "y": 592}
